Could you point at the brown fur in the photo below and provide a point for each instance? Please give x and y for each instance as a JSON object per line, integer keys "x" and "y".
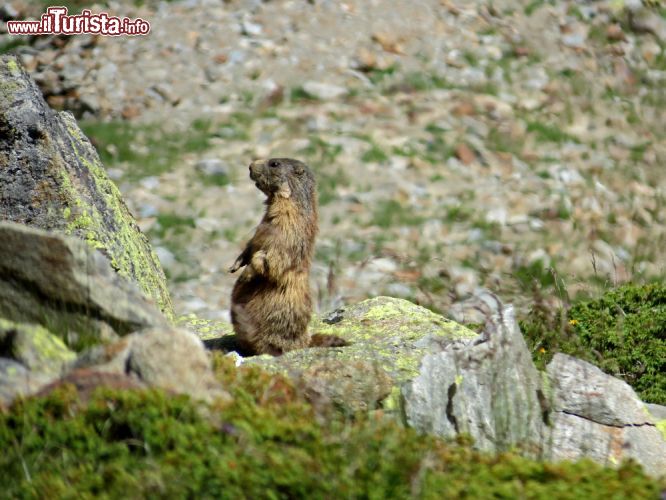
{"x": 271, "y": 303}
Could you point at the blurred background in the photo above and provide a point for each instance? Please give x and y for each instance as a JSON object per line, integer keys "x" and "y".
{"x": 461, "y": 147}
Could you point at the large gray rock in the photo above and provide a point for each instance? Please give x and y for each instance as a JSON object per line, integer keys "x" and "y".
{"x": 51, "y": 177}
{"x": 487, "y": 388}
{"x": 69, "y": 288}
{"x": 598, "y": 416}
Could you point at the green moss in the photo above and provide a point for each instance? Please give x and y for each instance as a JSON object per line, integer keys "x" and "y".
{"x": 623, "y": 332}
{"x": 267, "y": 444}
{"x": 661, "y": 425}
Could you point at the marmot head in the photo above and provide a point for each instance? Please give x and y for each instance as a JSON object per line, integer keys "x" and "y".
{"x": 286, "y": 178}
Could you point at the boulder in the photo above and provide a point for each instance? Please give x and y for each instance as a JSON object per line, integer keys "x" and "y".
{"x": 67, "y": 287}
{"x": 51, "y": 178}
{"x": 599, "y": 416}
{"x": 487, "y": 388}
{"x": 388, "y": 337}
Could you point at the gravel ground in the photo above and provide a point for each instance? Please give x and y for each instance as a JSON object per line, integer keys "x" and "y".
{"x": 516, "y": 147}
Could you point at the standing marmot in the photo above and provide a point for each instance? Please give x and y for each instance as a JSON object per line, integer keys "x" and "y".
{"x": 270, "y": 303}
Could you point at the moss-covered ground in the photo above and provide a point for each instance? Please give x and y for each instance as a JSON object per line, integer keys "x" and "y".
{"x": 623, "y": 332}
{"x": 268, "y": 443}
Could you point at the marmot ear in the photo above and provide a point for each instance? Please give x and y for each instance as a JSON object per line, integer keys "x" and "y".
{"x": 285, "y": 190}
{"x": 298, "y": 169}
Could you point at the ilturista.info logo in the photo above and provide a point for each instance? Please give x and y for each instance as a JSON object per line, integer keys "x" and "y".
{"x": 57, "y": 21}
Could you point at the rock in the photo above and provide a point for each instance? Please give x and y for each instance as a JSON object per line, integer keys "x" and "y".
{"x": 350, "y": 386}
{"x": 212, "y": 166}
{"x": 657, "y": 411}
{"x": 169, "y": 358}
{"x": 323, "y": 91}
{"x": 52, "y": 178}
{"x": 465, "y": 154}
{"x": 487, "y": 388}
{"x": 69, "y": 288}
{"x": 598, "y": 416}
{"x": 34, "y": 347}
{"x": 16, "y": 380}
{"x": 388, "y": 339}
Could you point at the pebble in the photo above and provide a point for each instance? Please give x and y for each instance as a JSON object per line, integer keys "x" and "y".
{"x": 323, "y": 91}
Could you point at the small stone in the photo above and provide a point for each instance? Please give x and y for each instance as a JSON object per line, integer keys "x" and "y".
{"x": 212, "y": 167}
{"x": 167, "y": 258}
{"x": 251, "y": 29}
{"x": 465, "y": 154}
{"x": 614, "y": 33}
{"x": 323, "y": 91}
{"x": 388, "y": 42}
{"x": 130, "y": 112}
{"x": 465, "y": 108}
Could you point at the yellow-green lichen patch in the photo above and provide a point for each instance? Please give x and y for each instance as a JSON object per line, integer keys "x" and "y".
{"x": 13, "y": 67}
{"x": 206, "y": 329}
{"x": 34, "y": 346}
{"x": 661, "y": 426}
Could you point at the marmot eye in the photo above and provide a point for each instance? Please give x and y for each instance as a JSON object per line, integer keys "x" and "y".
{"x": 273, "y": 163}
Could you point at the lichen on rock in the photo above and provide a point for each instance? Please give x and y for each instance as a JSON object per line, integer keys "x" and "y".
{"x": 34, "y": 347}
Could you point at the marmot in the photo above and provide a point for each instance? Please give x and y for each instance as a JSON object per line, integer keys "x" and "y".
{"x": 271, "y": 304}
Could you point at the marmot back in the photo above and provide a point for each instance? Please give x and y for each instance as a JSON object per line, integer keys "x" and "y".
{"x": 271, "y": 304}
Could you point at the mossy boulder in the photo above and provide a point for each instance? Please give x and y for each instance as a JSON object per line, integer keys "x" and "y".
{"x": 51, "y": 177}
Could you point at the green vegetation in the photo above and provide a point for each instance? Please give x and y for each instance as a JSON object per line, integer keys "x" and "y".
{"x": 268, "y": 443}
{"x": 389, "y": 213}
{"x": 10, "y": 45}
{"x": 623, "y": 332}
{"x": 531, "y": 7}
{"x": 549, "y": 133}
{"x": 533, "y": 274}
{"x": 147, "y": 149}
{"x": 418, "y": 82}
{"x": 374, "y": 154}
{"x": 173, "y": 223}
{"x": 300, "y": 94}
{"x": 321, "y": 156}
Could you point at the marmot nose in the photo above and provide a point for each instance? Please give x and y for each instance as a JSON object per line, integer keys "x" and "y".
{"x": 256, "y": 164}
